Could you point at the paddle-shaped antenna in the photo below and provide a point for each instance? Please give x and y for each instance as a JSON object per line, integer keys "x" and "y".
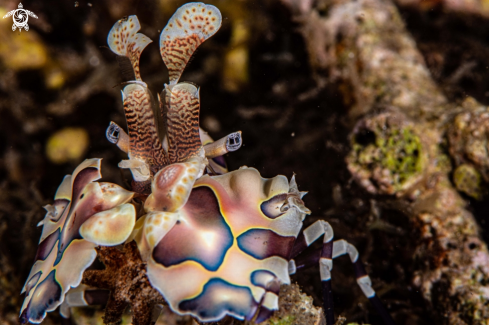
{"x": 189, "y": 27}
{"x": 125, "y": 41}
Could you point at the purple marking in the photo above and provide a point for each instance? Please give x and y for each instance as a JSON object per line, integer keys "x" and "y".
{"x": 203, "y": 237}
{"x": 359, "y": 269}
{"x": 83, "y": 207}
{"x": 273, "y": 285}
{"x": 32, "y": 282}
{"x": 307, "y": 260}
{"x": 83, "y": 178}
{"x": 271, "y": 208}
{"x": 45, "y": 297}
{"x": 264, "y": 314}
{"x": 46, "y": 246}
{"x": 220, "y": 161}
{"x": 220, "y": 298}
{"x": 327, "y": 251}
{"x": 299, "y": 245}
{"x": 328, "y": 301}
{"x": 263, "y": 243}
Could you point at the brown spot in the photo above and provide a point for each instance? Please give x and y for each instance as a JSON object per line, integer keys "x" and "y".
{"x": 180, "y": 190}
{"x": 184, "y": 17}
{"x": 171, "y": 25}
{"x": 211, "y": 28}
{"x": 193, "y": 9}
{"x": 210, "y": 12}
{"x": 192, "y": 26}
{"x": 187, "y": 11}
{"x": 203, "y": 9}
{"x": 178, "y": 22}
{"x": 132, "y": 26}
{"x": 213, "y": 18}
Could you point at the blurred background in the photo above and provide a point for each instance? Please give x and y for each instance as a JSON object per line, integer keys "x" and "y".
{"x": 60, "y": 88}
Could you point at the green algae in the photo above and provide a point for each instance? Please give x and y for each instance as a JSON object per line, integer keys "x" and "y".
{"x": 390, "y": 156}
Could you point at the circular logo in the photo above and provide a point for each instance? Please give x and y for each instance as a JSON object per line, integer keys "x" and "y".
{"x": 20, "y": 18}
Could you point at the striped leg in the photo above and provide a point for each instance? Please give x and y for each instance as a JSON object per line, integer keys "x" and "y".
{"x": 306, "y": 238}
{"x": 342, "y": 247}
{"x": 269, "y": 303}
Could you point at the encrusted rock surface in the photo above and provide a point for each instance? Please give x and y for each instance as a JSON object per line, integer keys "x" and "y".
{"x": 468, "y": 137}
{"x": 363, "y": 46}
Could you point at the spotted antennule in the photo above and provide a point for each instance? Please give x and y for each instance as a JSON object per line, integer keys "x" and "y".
{"x": 125, "y": 41}
{"x": 189, "y": 27}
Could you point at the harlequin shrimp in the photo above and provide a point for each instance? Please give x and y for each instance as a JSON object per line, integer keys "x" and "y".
{"x": 215, "y": 242}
